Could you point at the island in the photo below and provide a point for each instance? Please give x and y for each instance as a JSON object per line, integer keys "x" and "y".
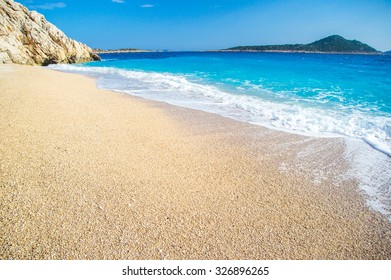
{"x": 330, "y": 44}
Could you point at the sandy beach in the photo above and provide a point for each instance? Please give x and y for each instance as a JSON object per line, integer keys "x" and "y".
{"x": 93, "y": 174}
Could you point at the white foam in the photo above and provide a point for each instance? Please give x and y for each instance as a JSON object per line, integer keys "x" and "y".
{"x": 371, "y": 169}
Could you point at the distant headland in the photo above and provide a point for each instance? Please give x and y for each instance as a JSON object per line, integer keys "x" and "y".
{"x": 330, "y": 44}
{"x": 124, "y": 50}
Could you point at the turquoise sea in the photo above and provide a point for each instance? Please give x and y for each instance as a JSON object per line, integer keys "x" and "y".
{"x": 321, "y": 95}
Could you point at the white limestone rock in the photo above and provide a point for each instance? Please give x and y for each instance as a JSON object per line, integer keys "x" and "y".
{"x": 26, "y": 37}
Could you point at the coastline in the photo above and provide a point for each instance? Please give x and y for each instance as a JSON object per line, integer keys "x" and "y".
{"x": 302, "y": 52}
{"x": 93, "y": 174}
{"x": 121, "y": 51}
{"x": 240, "y": 51}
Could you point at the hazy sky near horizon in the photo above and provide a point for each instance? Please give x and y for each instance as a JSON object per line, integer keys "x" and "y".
{"x": 216, "y": 24}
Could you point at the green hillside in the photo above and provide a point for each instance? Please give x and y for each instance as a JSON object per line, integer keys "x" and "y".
{"x": 331, "y": 44}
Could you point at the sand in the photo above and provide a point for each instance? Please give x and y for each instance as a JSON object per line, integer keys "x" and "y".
{"x": 93, "y": 174}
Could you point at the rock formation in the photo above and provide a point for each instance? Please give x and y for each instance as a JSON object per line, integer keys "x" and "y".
{"x": 26, "y": 37}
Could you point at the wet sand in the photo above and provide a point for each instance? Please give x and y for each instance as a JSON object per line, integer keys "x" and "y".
{"x": 93, "y": 174}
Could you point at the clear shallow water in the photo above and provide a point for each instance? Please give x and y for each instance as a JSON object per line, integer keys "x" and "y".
{"x": 310, "y": 94}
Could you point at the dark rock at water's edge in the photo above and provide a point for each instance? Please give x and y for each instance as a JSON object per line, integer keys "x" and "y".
{"x": 331, "y": 44}
{"x": 26, "y": 37}
{"x": 95, "y": 57}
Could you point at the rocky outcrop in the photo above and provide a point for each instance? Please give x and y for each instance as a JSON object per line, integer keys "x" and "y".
{"x": 26, "y": 37}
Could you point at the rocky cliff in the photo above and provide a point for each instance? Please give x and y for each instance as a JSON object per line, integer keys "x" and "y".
{"x": 26, "y": 37}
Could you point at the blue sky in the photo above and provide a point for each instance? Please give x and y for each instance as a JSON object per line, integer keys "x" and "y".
{"x": 215, "y": 24}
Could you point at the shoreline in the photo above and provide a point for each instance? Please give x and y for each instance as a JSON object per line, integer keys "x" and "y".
{"x": 95, "y": 174}
{"x": 375, "y": 161}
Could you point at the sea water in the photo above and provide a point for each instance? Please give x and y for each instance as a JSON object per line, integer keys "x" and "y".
{"x": 321, "y": 95}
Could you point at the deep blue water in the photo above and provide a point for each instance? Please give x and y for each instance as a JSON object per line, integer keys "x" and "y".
{"x": 312, "y": 94}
